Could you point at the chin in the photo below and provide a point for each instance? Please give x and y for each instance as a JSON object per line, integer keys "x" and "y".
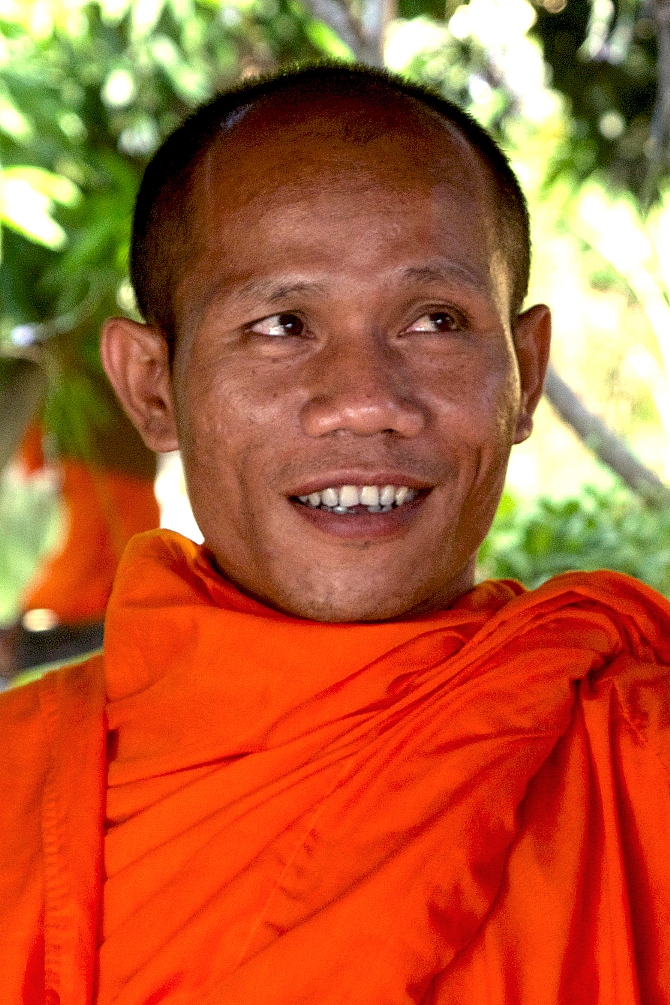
{"x": 367, "y": 591}
{"x": 331, "y": 613}
{"x": 334, "y": 608}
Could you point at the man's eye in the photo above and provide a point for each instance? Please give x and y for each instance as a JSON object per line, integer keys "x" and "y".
{"x": 438, "y": 321}
{"x": 279, "y": 325}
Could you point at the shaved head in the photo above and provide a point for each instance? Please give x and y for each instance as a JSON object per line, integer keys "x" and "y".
{"x": 331, "y": 265}
{"x": 354, "y": 108}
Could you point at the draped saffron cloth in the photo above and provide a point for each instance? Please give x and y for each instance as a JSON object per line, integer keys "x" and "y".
{"x": 468, "y": 807}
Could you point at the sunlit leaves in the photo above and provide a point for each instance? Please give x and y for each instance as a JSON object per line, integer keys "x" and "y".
{"x": 325, "y": 39}
{"x": 483, "y": 58}
{"x": 637, "y": 248}
{"x": 190, "y": 81}
{"x": 493, "y": 22}
{"x": 119, "y": 88}
{"x": 88, "y": 89}
{"x": 27, "y": 198}
{"x": 12, "y": 121}
{"x": 408, "y": 39}
{"x": 598, "y": 529}
{"x": 145, "y": 15}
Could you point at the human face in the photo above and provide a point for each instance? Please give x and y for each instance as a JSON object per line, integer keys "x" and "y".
{"x": 344, "y": 328}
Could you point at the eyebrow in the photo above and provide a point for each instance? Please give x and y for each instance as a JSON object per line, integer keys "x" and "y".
{"x": 276, "y": 290}
{"x": 270, "y": 291}
{"x": 442, "y": 272}
{"x": 273, "y": 291}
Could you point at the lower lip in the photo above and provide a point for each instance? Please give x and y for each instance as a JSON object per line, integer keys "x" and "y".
{"x": 362, "y": 525}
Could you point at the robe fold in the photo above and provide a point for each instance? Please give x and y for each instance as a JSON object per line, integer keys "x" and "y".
{"x": 467, "y": 807}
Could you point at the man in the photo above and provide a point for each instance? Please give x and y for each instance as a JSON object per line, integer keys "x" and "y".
{"x": 317, "y": 763}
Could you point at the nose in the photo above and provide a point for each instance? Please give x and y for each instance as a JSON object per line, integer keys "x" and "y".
{"x": 358, "y": 389}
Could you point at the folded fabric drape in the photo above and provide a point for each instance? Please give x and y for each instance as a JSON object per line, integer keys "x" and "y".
{"x": 471, "y": 806}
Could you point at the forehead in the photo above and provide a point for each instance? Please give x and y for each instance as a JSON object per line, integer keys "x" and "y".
{"x": 316, "y": 183}
{"x": 279, "y": 148}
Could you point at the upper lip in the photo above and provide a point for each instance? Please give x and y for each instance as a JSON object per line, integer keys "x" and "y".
{"x": 359, "y": 478}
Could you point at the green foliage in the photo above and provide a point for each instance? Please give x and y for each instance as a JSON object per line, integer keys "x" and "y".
{"x": 599, "y": 55}
{"x": 27, "y": 197}
{"x": 595, "y": 530}
{"x": 88, "y": 90}
{"x": 458, "y": 68}
{"x": 603, "y": 58}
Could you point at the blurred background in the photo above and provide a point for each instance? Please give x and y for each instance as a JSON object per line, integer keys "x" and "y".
{"x": 577, "y": 92}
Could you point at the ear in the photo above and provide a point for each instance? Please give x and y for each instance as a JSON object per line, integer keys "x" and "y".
{"x": 135, "y": 358}
{"x": 532, "y": 339}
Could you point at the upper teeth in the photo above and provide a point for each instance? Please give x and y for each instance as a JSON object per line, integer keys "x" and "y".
{"x": 377, "y": 498}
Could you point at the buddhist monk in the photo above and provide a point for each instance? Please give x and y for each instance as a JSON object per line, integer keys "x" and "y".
{"x": 317, "y": 764}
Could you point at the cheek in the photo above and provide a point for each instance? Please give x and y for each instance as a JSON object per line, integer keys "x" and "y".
{"x": 502, "y": 397}
{"x": 208, "y": 434}
{"x": 477, "y": 398}
{"x": 231, "y": 421}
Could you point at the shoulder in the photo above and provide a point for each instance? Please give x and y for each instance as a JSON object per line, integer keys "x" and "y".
{"x": 640, "y": 614}
{"x": 608, "y": 587}
{"x": 635, "y": 685}
{"x": 610, "y": 632}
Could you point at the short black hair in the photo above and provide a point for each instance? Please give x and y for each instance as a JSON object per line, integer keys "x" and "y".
{"x": 161, "y": 225}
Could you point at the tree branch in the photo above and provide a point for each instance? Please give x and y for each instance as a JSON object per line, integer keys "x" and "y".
{"x": 604, "y": 443}
{"x": 375, "y": 18}
{"x": 364, "y": 38}
{"x": 339, "y": 18}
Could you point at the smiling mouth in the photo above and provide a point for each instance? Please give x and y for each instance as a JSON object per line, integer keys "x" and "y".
{"x": 350, "y": 500}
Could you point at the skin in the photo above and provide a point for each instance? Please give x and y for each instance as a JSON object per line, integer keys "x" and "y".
{"x": 400, "y": 365}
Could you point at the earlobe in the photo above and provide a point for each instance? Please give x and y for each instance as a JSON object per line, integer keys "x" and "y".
{"x": 532, "y": 340}
{"x": 135, "y": 358}
{"x": 524, "y": 427}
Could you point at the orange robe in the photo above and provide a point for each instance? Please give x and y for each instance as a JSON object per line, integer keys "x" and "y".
{"x": 471, "y": 807}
